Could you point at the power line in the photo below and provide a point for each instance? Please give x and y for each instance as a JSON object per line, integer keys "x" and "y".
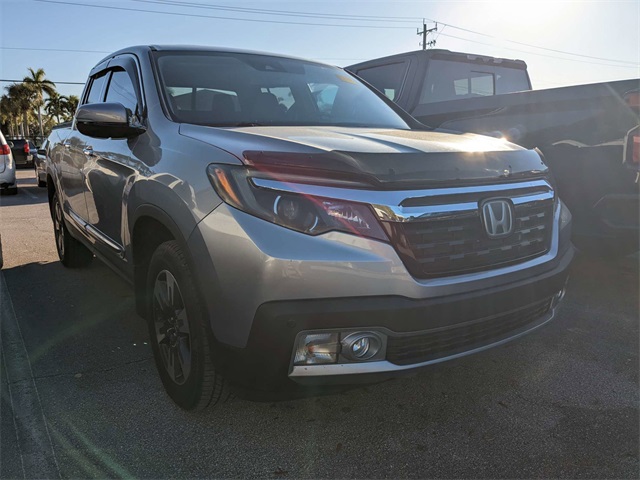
{"x": 54, "y": 50}
{"x": 57, "y": 83}
{"x": 534, "y": 46}
{"x": 285, "y": 13}
{"x": 109, "y": 7}
{"x": 364, "y": 18}
{"x": 328, "y": 16}
{"x": 539, "y": 54}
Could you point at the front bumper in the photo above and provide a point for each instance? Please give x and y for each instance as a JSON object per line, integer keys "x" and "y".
{"x": 265, "y": 363}
{"x": 264, "y": 284}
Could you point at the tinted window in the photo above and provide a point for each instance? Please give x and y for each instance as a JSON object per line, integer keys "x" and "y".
{"x": 95, "y": 91}
{"x": 448, "y": 80}
{"x": 257, "y": 89}
{"x": 386, "y": 78}
{"x": 121, "y": 90}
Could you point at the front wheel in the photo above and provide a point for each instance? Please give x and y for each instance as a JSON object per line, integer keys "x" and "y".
{"x": 71, "y": 252}
{"x": 180, "y": 334}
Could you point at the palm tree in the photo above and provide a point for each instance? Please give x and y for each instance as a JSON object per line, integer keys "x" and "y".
{"x": 56, "y": 106}
{"x": 71, "y": 105}
{"x": 39, "y": 86}
{"x": 8, "y": 114}
{"x": 21, "y": 97}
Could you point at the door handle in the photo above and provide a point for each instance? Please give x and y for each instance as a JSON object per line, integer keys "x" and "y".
{"x": 66, "y": 144}
{"x": 88, "y": 151}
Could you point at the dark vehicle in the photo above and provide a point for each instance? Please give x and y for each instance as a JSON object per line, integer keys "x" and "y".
{"x": 22, "y": 151}
{"x": 41, "y": 157}
{"x": 581, "y": 130}
{"x": 286, "y": 227}
{"x": 40, "y": 164}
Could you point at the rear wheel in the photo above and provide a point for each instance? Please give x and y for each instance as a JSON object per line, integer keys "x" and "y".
{"x": 71, "y": 252}
{"x": 180, "y": 334}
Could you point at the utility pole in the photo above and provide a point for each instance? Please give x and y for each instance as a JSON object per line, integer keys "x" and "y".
{"x": 424, "y": 34}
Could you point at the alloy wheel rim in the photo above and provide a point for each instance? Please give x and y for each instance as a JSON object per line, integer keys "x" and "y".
{"x": 173, "y": 336}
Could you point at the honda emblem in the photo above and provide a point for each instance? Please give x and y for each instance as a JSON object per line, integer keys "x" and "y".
{"x": 498, "y": 218}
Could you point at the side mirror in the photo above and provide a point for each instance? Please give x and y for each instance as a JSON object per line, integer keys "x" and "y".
{"x": 42, "y": 151}
{"x": 10, "y": 144}
{"x": 106, "y": 120}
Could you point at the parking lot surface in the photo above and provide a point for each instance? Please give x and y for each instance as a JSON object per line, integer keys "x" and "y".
{"x": 81, "y": 396}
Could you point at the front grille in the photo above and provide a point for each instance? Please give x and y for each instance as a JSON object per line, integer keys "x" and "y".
{"x": 456, "y": 244}
{"x": 448, "y": 341}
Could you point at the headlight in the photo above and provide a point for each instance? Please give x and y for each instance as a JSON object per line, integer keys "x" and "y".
{"x": 303, "y": 213}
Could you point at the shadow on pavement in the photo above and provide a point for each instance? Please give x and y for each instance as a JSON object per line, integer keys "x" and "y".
{"x": 561, "y": 402}
{"x": 28, "y": 193}
{"x": 75, "y": 320}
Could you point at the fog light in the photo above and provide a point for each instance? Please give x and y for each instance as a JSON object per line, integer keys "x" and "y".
{"x": 317, "y": 348}
{"x": 361, "y": 346}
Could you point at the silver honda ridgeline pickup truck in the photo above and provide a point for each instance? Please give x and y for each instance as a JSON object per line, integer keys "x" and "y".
{"x": 285, "y": 226}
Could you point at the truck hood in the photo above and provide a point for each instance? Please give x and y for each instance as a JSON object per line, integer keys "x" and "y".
{"x": 382, "y": 157}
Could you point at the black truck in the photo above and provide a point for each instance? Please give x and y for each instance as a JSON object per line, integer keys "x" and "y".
{"x": 588, "y": 134}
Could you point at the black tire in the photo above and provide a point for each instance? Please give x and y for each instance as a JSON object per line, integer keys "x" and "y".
{"x": 71, "y": 252}
{"x": 11, "y": 190}
{"x": 180, "y": 333}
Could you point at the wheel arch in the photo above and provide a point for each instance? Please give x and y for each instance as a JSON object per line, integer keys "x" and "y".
{"x": 150, "y": 227}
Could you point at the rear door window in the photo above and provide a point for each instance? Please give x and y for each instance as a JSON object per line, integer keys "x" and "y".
{"x": 448, "y": 80}
{"x": 95, "y": 90}
{"x": 386, "y": 78}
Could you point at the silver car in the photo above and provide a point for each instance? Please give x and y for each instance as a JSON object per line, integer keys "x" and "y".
{"x": 287, "y": 227}
{"x": 7, "y": 168}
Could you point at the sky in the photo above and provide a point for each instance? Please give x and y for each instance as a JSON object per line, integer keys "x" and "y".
{"x": 562, "y": 42}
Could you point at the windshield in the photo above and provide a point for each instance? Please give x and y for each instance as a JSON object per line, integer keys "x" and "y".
{"x": 239, "y": 89}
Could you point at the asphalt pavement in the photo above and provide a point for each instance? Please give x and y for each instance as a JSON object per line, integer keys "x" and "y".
{"x": 80, "y": 396}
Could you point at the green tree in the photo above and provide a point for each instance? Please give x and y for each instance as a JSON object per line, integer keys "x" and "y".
{"x": 71, "y": 105}
{"x": 56, "y": 106}
{"x": 37, "y": 83}
{"x": 20, "y": 97}
{"x": 9, "y": 114}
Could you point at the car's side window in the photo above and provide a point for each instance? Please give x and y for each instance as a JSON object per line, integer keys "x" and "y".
{"x": 97, "y": 87}
{"x": 386, "y": 78}
{"x": 121, "y": 90}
